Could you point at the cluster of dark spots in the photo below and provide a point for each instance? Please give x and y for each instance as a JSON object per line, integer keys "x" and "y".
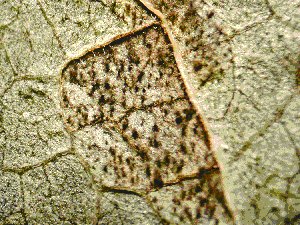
{"x": 197, "y": 64}
{"x": 73, "y": 75}
{"x": 172, "y": 17}
{"x": 183, "y": 149}
{"x": 92, "y": 74}
{"x": 133, "y": 58}
{"x": 188, "y": 212}
{"x": 183, "y": 194}
{"x": 140, "y": 76}
{"x": 120, "y": 159}
{"x": 198, "y": 213}
{"x": 155, "y": 128}
{"x": 105, "y": 169}
{"x": 158, "y": 163}
{"x": 70, "y": 121}
{"x": 189, "y": 113}
{"x": 125, "y": 125}
{"x": 143, "y": 154}
{"x": 93, "y": 146}
{"x": 123, "y": 172}
{"x": 148, "y": 170}
{"x": 95, "y": 87}
{"x": 167, "y": 160}
{"x": 102, "y": 100}
{"x": 197, "y": 188}
{"x": 132, "y": 180}
{"x": 220, "y": 32}
{"x": 210, "y": 14}
{"x": 183, "y": 130}
{"x": 176, "y": 201}
{"x": 112, "y": 151}
{"x": 161, "y": 61}
{"x": 154, "y": 143}
{"x": 134, "y": 134}
{"x": 66, "y": 99}
{"x": 157, "y": 181}
{"x": 106, "y": 85}
{"x": 178, "y": 120}
{"x": 195, "y": 129}
{"x": 106, "y": 67}
{"x": 154, "y": 200}
{"x": 203, "y": 202}
{"x": 128, "y": 161}
{"x": 180, "y": 166}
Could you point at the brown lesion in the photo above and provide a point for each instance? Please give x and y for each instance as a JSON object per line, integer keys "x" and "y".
{"x": 119, "y": 81}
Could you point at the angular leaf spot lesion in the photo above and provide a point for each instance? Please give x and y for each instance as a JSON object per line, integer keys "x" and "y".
{"x": 128, "y": 98}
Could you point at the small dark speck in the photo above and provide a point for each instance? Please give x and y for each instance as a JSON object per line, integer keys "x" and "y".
{"x": 107, "y": 86}
{"x": 210, "y": 15}
{"x": 178, "y": 120}
{"x": 135, "y": 134}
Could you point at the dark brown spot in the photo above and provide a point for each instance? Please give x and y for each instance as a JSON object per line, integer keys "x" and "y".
{"x": 155, "y": 143}
{"x": 112, "y": 151}
{"x": 158, "y": 163}
{"x": 189, "y": 114}
{"x": 210, "y": 15}
{"x": 197, "y": 65}
{"x": 124, "y": 125}
{"x": 105, "y": 168}
{"x": 95, "y": 87}
{"x": 183, "y": 149}
{"x": 148, "y": 172}
{"x": 197, "y": 189}
{"x": 167, "y": 160}
{"x": 178, "y": 120}
{"x": 135, "y": 134}
{"x": 155, "y": 128}
{"x": 157, "y": 180}
{"x": 140, "y": 76}
{"x": 188, "y": 213}
{"x": 107, "y": 85}
{"x": 102, "y": 100}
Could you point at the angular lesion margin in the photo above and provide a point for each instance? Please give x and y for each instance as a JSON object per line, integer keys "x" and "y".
{"x": 25, "y": 169}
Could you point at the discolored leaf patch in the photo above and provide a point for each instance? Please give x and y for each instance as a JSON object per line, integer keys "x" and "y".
{"x": 133, "y": 122}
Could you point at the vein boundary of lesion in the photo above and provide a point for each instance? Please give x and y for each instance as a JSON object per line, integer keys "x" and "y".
{"x": 27, "y": 168}
{"x": 180, "y": 64}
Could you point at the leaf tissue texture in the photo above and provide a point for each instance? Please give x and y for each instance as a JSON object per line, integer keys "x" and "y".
{"x": 149, "y": 112}
{"x": 127, "y": 106}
